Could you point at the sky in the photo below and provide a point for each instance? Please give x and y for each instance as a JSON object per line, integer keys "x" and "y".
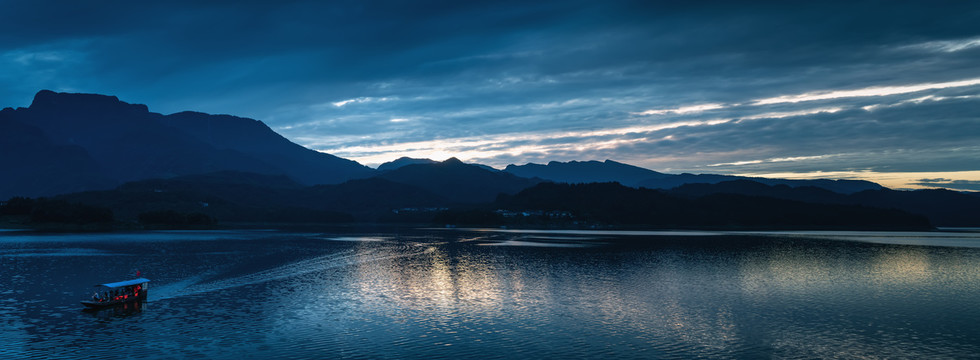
{"x": 887, "y": 91}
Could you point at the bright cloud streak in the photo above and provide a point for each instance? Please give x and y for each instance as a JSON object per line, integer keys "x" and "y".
{"x": 919, "y": 100}
{"x": 683, "y": 110}
{"x": 773, "y": 160}
{"x": 865, "y": 92}
{"x": 948, "y": 46}
{"x": 486, "y": 147}
{"x": 786, "y": 114}
{"x": 738, "y": 163}
{"x": 358, "y": 100}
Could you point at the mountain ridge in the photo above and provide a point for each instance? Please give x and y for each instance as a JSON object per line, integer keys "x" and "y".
{"x": 118, "y": 142}
{"x": 578, "y": 172}
{"x": 458, "y": 181}
{"x": 96, "y": 149}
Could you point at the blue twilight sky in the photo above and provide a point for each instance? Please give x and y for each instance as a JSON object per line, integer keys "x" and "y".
{"x": 887, "y": 91}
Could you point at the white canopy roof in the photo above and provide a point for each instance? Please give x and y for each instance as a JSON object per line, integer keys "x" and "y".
{"x": 125, "y": 283}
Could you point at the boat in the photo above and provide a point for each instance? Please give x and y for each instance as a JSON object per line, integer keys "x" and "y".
{"x": 122, "y": 292}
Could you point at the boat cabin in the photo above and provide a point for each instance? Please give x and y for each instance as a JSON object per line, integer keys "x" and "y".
{"x": 118, "y": 292}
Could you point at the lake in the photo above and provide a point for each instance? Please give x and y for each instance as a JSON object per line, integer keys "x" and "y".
{"x": 491, "y": 293}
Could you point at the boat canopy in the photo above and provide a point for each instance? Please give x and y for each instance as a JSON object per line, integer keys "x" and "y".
{"x": 125, "y": 283}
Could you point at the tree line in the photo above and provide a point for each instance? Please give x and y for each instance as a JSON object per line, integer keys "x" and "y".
{"x": 56, "y": 211}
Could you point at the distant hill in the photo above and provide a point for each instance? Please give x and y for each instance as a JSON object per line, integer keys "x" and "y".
{"x": 403, "y": 161}
{"x": 580, "y": 172}
{"x": 615, "y": 204}
{"x": 574, "y": 172}
{"x": 837, "y": 186}
{"x": 74, "y": 142}
{"x": 459, "y": 182}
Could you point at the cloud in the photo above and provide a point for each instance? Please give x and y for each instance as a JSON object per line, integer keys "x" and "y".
{"x": 514, "y": 144}
{"x": 683, "y": 110}
{"x": 774, "y": 160}
{"x": 935, "y": 180}
{"x": 869, "y": 91}
{"x": 668, "y": 85}
{"x": 786, "y": 114}
{"x": 969, "y": 185}
{"x": 919, "y": 100}
{"x": 359, "y": 100}
{"x": 947, "y": 46}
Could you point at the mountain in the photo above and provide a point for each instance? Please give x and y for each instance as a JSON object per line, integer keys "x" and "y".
{"x": 105, "y": 142}
{"x": 837, "y": 186}
{"x": 576, "y": 172}
{"x": 256, "y": 140}
{"x": 33, "y": 165}
{"x": 586, "y": 172}
{"x": 459, "y": 182}
{"x": 403, "y": 161}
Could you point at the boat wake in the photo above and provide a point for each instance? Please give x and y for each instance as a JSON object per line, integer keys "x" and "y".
{"x": 197, "y": 285}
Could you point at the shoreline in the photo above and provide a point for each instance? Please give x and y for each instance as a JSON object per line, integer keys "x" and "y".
{"x": 136, "y": 227}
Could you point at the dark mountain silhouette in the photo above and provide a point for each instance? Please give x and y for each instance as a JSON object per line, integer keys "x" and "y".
{"x": 102, "y": 152}
{"x": 403, "y": 161}
{"x": 838, "y": 186}
{"x": 459, "y": 182}
{"x": 575, "y": 172}
{"x": 586, "y": 172}
{"x": 615, "y": 204}
{"x": 247, "y": 197}
{"x": 942, "y": 207}
{"x": 33, "y": 165}
{"x": 111, "y": 142}
{"x": 841, "y": 186}
{"x": 256, "y": 140}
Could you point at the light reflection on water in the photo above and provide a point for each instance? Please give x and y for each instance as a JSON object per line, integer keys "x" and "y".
{"x": 442, "y": 294}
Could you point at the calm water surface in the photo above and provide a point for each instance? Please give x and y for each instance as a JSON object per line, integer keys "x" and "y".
{"x": 417, "y": 293}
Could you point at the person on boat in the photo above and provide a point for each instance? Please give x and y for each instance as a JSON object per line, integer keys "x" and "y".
{"x": 95, "y": 297}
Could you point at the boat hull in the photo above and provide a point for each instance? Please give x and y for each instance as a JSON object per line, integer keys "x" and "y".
{"x": 124, "y": 300}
